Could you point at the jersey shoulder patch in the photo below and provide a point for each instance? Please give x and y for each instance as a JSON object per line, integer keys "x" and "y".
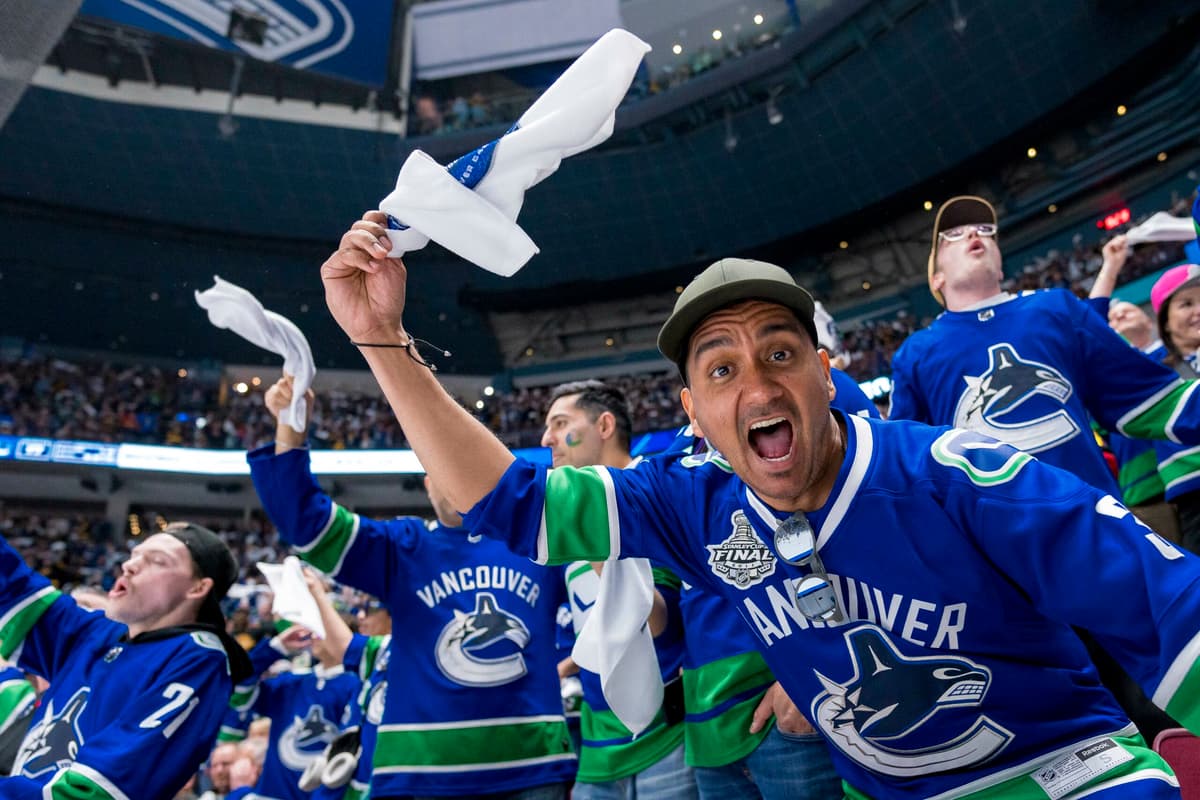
{"x": 985, "y": 461}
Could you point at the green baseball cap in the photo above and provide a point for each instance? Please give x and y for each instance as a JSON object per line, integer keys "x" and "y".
{"x": 725, "y": 283}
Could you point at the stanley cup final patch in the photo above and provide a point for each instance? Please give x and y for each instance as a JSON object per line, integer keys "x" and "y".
{"x": 742, "y": 560}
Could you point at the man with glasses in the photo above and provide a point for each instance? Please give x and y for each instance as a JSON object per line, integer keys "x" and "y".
{"x": 933, "y": 647}
{"x": 1032, "y": 369}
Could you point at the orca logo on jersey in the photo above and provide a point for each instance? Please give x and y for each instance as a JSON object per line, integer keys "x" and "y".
{"x": 742, "y": 560}
{"x": 53, "y": 743}
{"x": 891, "y": 698}
{"x": 305, "y": 739}
{"x": 992, "y": 402}
{"x": 483, "y": 648}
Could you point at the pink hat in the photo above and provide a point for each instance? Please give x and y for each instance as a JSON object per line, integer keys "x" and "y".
{"x": 1170, "y": 281}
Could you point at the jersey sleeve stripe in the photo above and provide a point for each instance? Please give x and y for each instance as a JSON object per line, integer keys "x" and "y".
{"x": 1155, "y": 417}
{"x": 328, "y": 550}
{"x": 20, "y": 619}
{"x": 1178, "y": 693}
{"x": 81, "y": 781}
{"x": 579, "y": 515}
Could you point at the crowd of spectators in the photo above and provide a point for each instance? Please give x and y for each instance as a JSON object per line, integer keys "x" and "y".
{"x": 109, "y": 402}
{"x": 434, "y": 110}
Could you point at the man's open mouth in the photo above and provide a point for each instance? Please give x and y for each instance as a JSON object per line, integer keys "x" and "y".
{"x": 771, "y": 439}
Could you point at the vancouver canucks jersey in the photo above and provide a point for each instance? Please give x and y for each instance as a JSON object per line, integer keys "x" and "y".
{"x": 307, "y": 710}
{"x": 608, "y": 749}
{"x": 1029, "y": 370}
{"x": 367, "y": 656}
{"x": 160, "y": 696}
{"x": 958, "y": 564}
{"x": 850, "y": 396}
{"x": 1137, "y": 459}
{"x": 481, "y": 712}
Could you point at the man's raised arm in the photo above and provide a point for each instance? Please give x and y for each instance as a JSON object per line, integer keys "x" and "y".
{"x": 365, "y": 292}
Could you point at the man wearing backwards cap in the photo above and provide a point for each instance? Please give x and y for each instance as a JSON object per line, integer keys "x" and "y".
{"x": 912, "y": 588}
{"x": 1029, "y": 369}
{"x": 137, "y": 692}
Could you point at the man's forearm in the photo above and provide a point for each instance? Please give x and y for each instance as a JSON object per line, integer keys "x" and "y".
{"x": 459, "y": 454}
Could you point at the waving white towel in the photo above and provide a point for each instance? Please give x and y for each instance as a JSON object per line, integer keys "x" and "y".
{"x": 232, "y": 307}
{"x": 1162, "y": 227}
{"x": 470, "y": 207}
{"x": 293, "y": 601}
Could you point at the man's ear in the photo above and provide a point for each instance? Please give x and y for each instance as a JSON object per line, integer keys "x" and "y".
{"x": 200, "y": 588}
{"x": 937, "y": 281}
{"x": 685, "y": 397}
{"x": 824, "y": 356}
{"x": 606, "y": 425}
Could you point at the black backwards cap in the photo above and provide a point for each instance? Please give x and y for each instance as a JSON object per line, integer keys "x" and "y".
{"x": 213, "y": 559}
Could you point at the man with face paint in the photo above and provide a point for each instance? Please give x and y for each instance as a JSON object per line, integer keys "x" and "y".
{"x": 150, "y": 675}
{"x": 588, "y": 423}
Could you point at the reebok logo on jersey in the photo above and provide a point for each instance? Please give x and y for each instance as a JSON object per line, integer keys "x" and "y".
{"x": 742, "y": 560}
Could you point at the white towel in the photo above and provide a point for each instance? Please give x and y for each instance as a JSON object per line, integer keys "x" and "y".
{"x": 1162, "y": 227}
{"x": 293, "y": 601}
{"x": 232, "y": 307}
{"x": 470, "y": 207}
{"x": 616, "y": 643}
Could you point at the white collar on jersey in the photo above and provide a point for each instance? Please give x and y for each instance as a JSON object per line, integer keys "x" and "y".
{"x": 994, "y": 300}
{"x": 863, "y": 448}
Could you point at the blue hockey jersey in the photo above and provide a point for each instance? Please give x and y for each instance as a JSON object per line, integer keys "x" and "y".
{"x": 850, "y": 396}
{"x": 481, "y": 710}
{"x": 307, "y": 709}
{"x": 1029, "y": 370}
{"x": 959, "y": 565}
{"x": 367, "y": 656}
{"x": 159, "y": 696}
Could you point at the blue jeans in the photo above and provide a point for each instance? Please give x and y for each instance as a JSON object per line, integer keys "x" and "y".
{"x": 670, "y": 778}
{"x": 785, "y": 766}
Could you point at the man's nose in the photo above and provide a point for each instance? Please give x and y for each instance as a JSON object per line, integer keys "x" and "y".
{"x": 547, "y": 439}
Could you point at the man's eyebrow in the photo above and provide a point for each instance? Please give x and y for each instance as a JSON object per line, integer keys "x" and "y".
{"x": 722, "y": 340}
{"x": 769, "y": 328}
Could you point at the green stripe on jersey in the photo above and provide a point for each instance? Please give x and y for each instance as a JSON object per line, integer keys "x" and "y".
{"x": 15, "y": 697}
{"x": 471, "y": 745}
{"x": 375, "y": 646}
{"x": 664, "y": 577}
{"x": 81, "y": 782}
{"x": 1181, "y": 466}
{"x": 1154, "y": 419}
{"x": 1184, "y": 704}
{"x": 1139, "y": 479}
{"x": 623, "y": 758}
{"x": 723, "y": 739}
{"x": 577, "y": 523}
{"x": 331, "y": 545}
{"x": 20, "y": 619}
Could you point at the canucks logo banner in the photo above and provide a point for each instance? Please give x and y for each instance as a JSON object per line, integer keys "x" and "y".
{"x": 344, "y": 38}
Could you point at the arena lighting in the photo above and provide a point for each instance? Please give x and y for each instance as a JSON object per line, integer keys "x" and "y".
{"x": 677, "y": 49}
{"x": 256, "y": 381}
{"x": 1121, "y": 111}
{"x": 1161, "y": 156}
{"x": 843, "y": 244}
{"x": 182, "y": 372}
{"x": 774, "y": 115}
{"x": 717, "y": 35}
{"x": 488, "y": 391}
{"x": 1114, "y": 220}
{"x": 1052, "y": 208}
{"x": 927, "y": 205}
{"x": 1031, "y": 152}
{"x": 240, "y": 387}
{"x": 479, "y": 404}
{"x": 758, "y": 19}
